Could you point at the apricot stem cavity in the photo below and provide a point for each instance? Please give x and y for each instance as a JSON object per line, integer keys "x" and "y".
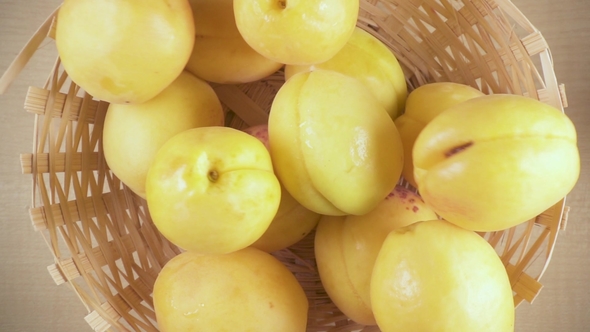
{"x": 213, "y": 176}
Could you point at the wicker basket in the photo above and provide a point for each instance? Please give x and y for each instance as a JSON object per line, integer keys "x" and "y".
{"x": 101, "y": 236}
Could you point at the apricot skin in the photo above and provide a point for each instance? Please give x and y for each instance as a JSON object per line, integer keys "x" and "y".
{"x": 496, "y": 161}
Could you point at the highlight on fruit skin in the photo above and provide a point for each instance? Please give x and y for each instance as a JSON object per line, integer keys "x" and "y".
{"x": 301, "y": 32}
{"x": 212, "y": 190}
{"x": 333, "y": 145}
{"x": 346, "y": 248}
{"x": 496, "y": 161}
{"x": 433, "y": 276}
{"x": 133, "y": 133}
{"x": 292, "y": 221}
{"x": 220, "y": 53}
{"x": 368, "y": 59}
{"x": 241, "y": 291}
{"x": 422, "y": 105}
{"x": 102, "y": 46}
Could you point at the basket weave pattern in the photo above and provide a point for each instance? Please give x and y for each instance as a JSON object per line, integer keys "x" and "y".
{"x": 101, "y": 235}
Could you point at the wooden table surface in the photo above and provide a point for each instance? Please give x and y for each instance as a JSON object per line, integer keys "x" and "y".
{"x": 30, "y": 301}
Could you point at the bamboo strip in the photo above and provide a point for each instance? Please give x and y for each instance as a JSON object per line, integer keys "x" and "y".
{"x": 71, "y": 269}
{"x": 554, "y": 98}
{"x": 39, "y": 217}
{"x": 243, "y": 106}
{"x": 564, "y": 218}
{"x": 49, "y": 128}
{"x": 97, "y": 322}
{"x": 74, "y": 162}
{"x": 534, "y": 43}
{"x": 555, "y": 219}
{"x": 526, "y": 287}
{"x": 26, "y": 53}
{"x": 36, "y": 100}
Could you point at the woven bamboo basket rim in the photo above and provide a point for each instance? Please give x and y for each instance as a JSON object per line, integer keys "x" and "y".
{"x": 101, "y": 236}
